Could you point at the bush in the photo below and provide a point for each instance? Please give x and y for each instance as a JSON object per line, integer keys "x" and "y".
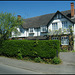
{"x": 63, "y": 50}
{"x": 56, "y": 60}
{"x": 47, "y": 60}
{"x": 30, "y": 48}
{"x": 38, "y": 59}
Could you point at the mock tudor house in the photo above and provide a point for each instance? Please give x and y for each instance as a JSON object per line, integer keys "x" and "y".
{"x": 48, "y": 26}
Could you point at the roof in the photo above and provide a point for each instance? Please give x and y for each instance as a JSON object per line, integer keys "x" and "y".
{"x": 45, "y": 19}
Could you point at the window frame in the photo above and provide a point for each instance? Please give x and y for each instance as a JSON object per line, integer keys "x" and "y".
{"x": 55, "y": 38}
{"x": 54, "y": 26}
{"x": 65, "y": 40}
{"x": 31, "y": 30}
{"x": 65, "y": 25}
{"x": 43, "y": 28}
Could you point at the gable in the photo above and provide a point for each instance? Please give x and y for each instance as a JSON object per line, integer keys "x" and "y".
{"x": 59, "y": 15}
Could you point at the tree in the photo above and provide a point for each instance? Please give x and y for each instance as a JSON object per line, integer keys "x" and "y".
{"x": 8, "y": 23}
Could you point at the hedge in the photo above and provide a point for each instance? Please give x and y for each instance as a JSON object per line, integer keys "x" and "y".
{"x": 31, "y": 48}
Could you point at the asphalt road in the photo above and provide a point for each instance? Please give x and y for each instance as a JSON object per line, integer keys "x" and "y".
{"x": 5, "y": 69}
{"x": 27, "y": 67}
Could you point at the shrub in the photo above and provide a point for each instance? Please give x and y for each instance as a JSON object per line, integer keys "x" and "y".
{"x": 38, "y": 59}
{"x": 56, "y": 60}
{"x": 30, "y": 48}
{"x": 47, "y": 60}
{"x": 63, "y": 50}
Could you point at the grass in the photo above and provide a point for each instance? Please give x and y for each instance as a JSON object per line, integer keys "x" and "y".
{"x": 73, "y": 51}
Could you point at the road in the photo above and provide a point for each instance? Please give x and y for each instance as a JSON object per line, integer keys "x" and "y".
{"x": 5, "y": 69}
{"x": 27, "y": 67}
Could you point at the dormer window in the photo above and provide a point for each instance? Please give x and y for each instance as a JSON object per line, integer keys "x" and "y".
{"x": 44, "y": 29}
{"x": 31, "y": 30}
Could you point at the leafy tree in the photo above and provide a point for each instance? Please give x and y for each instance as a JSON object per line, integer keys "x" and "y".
{"x": 8, "y": 23}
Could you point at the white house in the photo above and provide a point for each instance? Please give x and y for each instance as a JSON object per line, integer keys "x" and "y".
{"x": 41, "y": 26}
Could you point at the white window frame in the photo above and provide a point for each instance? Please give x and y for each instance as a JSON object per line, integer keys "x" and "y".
{"x": 54, "y": 26}
{"x": 55, "y": 38}
{"x": 64, "y": 40}
{"x": 65, "y": 25}
{"x": 31, "y": 30}
{"x": 44, "y": 29}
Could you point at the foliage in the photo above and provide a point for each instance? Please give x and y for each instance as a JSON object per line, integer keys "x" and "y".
{"x": 19, "y": 55}
{"x": 8, "y": 23}
{"x": 56, "y": 60}
{"x": 71, "y": 38}
{"x": 63, "y": 50}
{"x": 73, "y": 50}
{"x": 47, "y": 60}
{"x": 44, "y": 48}
{"x": 38, "y": 59}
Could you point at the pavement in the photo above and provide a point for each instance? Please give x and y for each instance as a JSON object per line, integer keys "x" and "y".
{"x": 67, "y": 66}
{"x": 5, "y": 69}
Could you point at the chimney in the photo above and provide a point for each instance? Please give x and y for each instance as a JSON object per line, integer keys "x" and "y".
{"x": 72, "y": 9}
{"x": 19, "y": 16}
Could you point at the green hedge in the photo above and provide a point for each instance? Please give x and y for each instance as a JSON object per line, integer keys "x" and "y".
{"x": 31, "y": 48}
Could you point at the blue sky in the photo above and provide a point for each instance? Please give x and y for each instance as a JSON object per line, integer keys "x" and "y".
{"x": 28, "y": 9}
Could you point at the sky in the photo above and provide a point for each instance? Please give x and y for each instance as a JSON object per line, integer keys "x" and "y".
{"x": 28, "y": 9}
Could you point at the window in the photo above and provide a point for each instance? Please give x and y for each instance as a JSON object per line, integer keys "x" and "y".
{"x": 64, "y": 40}
{"x": 64, "y": 25}
{"x": 54, "y": 26}
{"x": 59, "y": 16}
{"x": 44, "y": 29}
{"x": 31, "y": 30}
{"x": 31, "y": 34}
{"x": 54, "y": 38}
{"x": 21, "y": 29}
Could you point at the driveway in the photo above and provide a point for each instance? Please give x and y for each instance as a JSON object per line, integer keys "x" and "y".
{"x": 67, "y": 57}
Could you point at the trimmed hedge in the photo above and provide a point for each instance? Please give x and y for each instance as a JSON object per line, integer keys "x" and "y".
{"x": 31, "y": 48}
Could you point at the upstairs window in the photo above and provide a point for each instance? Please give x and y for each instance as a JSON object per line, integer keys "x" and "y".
{"x": 21, "y": 29}
{"x": 31, "y": 30}
{"x": 44, "y": 29}
{"x": 54, "y": 26}
{"x": 58, "y": 16}
{"x": 64, "y": 25}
